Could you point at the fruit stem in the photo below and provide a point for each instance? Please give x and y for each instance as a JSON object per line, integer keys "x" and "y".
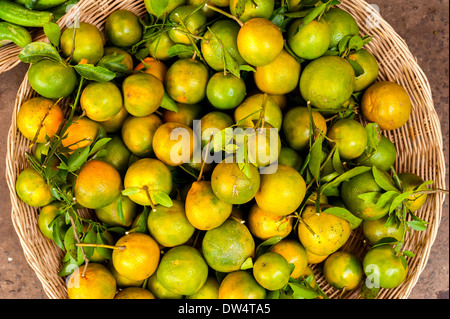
{"x": 206, "y": 157}
{"x": 307, "y": 226}
{"x": 100, "y": 246}
{"x": 210, "y": 6}
{"x": 145, "y": 188}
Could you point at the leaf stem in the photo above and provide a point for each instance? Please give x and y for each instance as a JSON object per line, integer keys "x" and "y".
{"x": 228, "y": 15}
{"x": 100, "y": 246}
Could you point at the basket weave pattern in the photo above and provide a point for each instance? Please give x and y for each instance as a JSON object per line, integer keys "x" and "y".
{"x": 418, "y": 142}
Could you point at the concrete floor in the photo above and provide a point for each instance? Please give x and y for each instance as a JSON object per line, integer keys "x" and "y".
{"x": 424, "y": 26}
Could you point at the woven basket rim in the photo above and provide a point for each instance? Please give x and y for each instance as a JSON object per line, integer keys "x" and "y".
{"x": 420, "y": 94}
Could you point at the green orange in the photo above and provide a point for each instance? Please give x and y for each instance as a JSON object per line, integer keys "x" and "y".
{"x": 88, "y": 43}
{"x": 110, "y": 214}
{"x": 142, "y": 94}
{"x": 383, "y": 157}
{"x": 349, "y": 136}
{"x": 343, "y": 270}
{"x": 246, "y": 114}
{"x": 94, "y": 282}
{"x": 186, "y": 81}
{"x": 227, "y": 247}
{"x": 123, "y": 28}
{"x": 32, "y": 188}
{"x": 271, "y": 271}
{"x": 182, "y": 270}
{"x": 101, "y": 101}
{"x": 341, "y": 24}
{"x": 370, "y": 66}
{"x": 225, "y": 91}
{"x": 138, "y": 132}
{"x": 310, "y": 41}
{"x": 255, "y": 9}
{"x": 241, "y": 285}
{"x": 188, "y": 23}
{"x": 375, "y": 230}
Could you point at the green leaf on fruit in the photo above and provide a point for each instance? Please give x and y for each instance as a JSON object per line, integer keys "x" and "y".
{"x": 37, "y": 51}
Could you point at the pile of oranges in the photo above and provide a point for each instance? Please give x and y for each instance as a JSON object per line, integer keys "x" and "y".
{"x": 220, "y": 148}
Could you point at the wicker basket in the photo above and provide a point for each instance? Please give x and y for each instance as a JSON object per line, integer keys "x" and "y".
{"x": 419, "y": 145}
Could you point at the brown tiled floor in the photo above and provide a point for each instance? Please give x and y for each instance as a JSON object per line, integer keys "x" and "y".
{"x": 424, "y": 26}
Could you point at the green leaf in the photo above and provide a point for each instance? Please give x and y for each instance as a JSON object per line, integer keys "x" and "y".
{"x": 386, "y": 241}
{"x": 313, "y": 14}
{"x": 89, "y": 238}
{"x": 370, "y": 198}
{"x": 113, "y": 62}
{"x": 344, "y": 214}
{"x": 343, "y": 44}
{"x": 71, "y": 264}
{"x": 397, "y": 201}
{"x": 356, "y": 67}
{"x": 178, "y": 49}
{"x": 158, "y": 6}
{"x": 161, "y": 198}
{"x": 408, "y": 253}
{"x": 382, "y": 179}
{"x": 53, "y": 33}
{"x": 131, "y": 191}
{"x": 369, "y": 293}
{"x": 386, "y": 199}
{"x": 69, "y": 243}
{"x": 337, "y": 163}
{"x": 141, "y": 224}
{"x": 37, "y": 51}
{"x": 168, "y": 103}
{"x": 78, "y": 158}
{"x": 94, "y": 73}
{"x": 120, "y": 209}
{"x": 355, "y": 43}
{"x": 373, "y": 136}
{"x": 266, "y": 245}
{"x": 345, "y": 177}
{"x": 301, "y": 292}
{"x": 247, "y": 68}
{"x": 99, "y": 144}
{"x": 416, "y": 225}
{"x": 248, "y": 264}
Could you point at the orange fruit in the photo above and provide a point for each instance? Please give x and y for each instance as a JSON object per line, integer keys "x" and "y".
{"x": 159, "y": 291}
{"x": 222, "y": 35}
{"x": 282, "y": 192}
{"x": 81, "y": 132}
{"x": 101, "y": 101}
{"x": 138, "y": 132}
{"x": 174, "y": 143}
{"x": 46, "y": 216}
{"x": 188, "y": 22}
{"x": 311, "y": 41}
{"x": 109, "y": 214}
{"x": 327, "y": 82}
{"x": 297, "y": 127}
{"x": 343, "y": 270}
{"x": 341, "y": 24}
{"x": 271, "y": 271}
{"x": 255, "y": 9}
{"x": 154, "y": 67}
{"x": 294, "y": 253}
{"x": 240, "y": 285}
{"x": 182, "y": 270}
{"x": 384, "y": 267}
{"x": 136, "y": 256}
{"x": 330, "y": 232}
{"x": 211, "y": 123}
{"x": 116, "y": 153}
{"x": 370, "y": 66}
{"x": 121, "y": 281}
{"x": 160, "y": 45}
{"x": 39, "y": 117}
{"x": 204, "y": 209}
{"x": 225, "y": 91}
{"x": 114, "y": 125}
{"x": 134, "y": 293}
{"x": 186, "y": 81}
{"x": 210, "y": 290}
{"x": 315, "y": 259}
{"x": 96, "y": 282}
{"x": 232, "y": 186}
{"x": 357, "y": 185}
{"x": 387, "y": 104}
{"x": 32, "y": 188}
{"x": 171, "y": 5}
{"x": 142, "y": 94}
{"x": 98, "y": 184}
{"x": 349, "y": 136}
{"x": 259, "y": 41}
{"x": 148, "y": 175}
{"x": 265, "y": 226}
{"x": 382, "y": 158}
{"x": 264, "y": 146}
{"x": 227, "y": 247}
{"x": 52, "y": 79}
{"x": 169, "y": 226}
{"x": 123, "y": 28}
{"x": 280, "y": 76}
{"x": 88, "y": 43}
{"x": 290, "y": 157}
{"x": 186, "y": 114}
{"x": 410, "y": 181}
{"x": 375, "y": 230}
{"x": 246, "y": 114}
